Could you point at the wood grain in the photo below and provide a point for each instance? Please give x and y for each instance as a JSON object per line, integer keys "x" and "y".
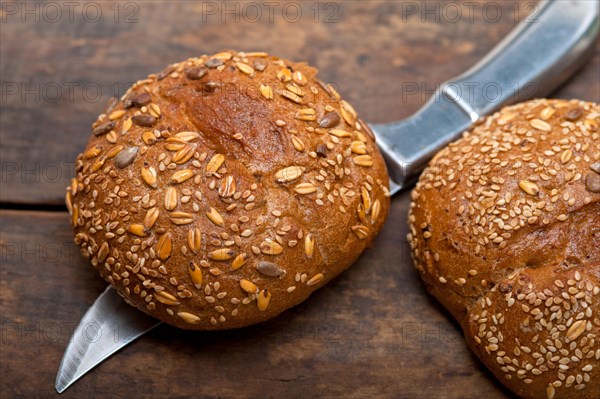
{"x": 373, "y": 332}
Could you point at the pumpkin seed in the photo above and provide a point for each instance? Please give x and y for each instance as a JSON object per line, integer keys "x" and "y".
{"x": 270, "y": 269}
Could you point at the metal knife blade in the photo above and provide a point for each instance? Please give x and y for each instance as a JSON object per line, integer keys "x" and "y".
{"x": 108, "y": 325}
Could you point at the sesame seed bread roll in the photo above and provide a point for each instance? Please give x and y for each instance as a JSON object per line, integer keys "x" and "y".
{"x": 226, "y": 189}
{"x": 505, "y": 232}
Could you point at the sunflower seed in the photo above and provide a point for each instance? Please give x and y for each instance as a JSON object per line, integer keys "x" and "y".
{"x": 270, "y": 269}
{"x": 322, "y": 150}
{"x": 144, "y": 120}
{"x": 151, "y": 217}
{"x": 214, "y": 164}
{"x": 288, "y": 174}
{"x": 595, "y": 167}
{"x": 171, "y": 198}
{"x": 592, "y": 182}
{"x": 573, "y": 114}
{"x": 330, "y": 119}
{"x": 103, "y": 128}
{"x": 215, "y": 217}
{"x": 305, "y": 188}
{"x": 181, "y": 175}
{"x": 137, "y": 100}
{"x": 165, "y": 72}
{"x": 213, "y": 63}
{"x": 195, "y": 73}
{"x": 529, "y": 187}
{"x": 126, "y": 157}
{"x": 164, "y": 246}
{"x": 195, "y": 274}
{"x": 263, "y": 299}
{"x": 221, "y": 254}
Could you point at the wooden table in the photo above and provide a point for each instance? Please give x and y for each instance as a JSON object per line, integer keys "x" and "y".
{"x": 373, "y": 332}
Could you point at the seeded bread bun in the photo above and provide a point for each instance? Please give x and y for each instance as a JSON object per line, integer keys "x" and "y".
{"x": 226, "y": 189}
{"x": 505, "y": 232}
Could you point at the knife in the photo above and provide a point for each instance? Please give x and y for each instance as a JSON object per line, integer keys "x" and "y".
{"x": 542, "y": 52}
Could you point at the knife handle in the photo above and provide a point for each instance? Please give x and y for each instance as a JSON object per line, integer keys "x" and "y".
{"x": 545, "y": 49}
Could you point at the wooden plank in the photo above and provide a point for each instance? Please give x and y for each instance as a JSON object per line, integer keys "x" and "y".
{"x": 385, "y": 57}
{"x": 372, "y": 332}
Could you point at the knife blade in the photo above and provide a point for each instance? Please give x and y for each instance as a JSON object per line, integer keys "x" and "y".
{"x": 108, "y": 325}
{"x": 539, "y": 54}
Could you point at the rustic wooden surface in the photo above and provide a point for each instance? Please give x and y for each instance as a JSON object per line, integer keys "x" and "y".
{"x": 373, "y": 332}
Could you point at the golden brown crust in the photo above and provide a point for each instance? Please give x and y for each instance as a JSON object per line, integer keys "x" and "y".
{"x": 505, "y": 231}
{"x": 226, "y": 189}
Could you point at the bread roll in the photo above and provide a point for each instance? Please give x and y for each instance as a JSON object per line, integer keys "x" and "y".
{"x": 505, "y": 232}
{"x": 226, "y": 189}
